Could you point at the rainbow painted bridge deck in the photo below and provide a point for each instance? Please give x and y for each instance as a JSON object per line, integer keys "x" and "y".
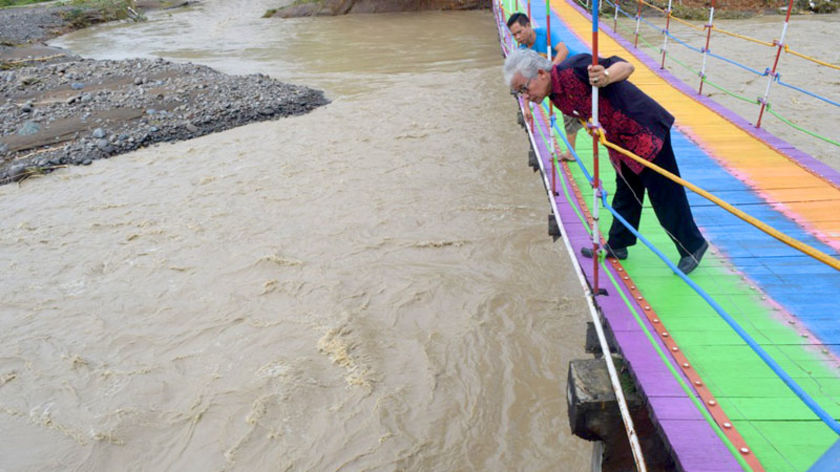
{"x": 719, "y": 405}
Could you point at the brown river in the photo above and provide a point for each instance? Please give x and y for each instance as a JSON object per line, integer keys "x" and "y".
{"x": 369, "y": 287}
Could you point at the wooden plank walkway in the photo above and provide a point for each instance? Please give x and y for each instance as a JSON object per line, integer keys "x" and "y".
{"x": 783, "y": 299}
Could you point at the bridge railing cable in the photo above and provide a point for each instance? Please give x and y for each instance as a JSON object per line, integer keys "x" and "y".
{"x": 771, "y": 73}
{"x": 615, "y": 382}
{"x": 828, "y": 260}
{"x": 598, "y": 190}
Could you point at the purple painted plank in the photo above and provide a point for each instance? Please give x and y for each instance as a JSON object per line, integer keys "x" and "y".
{"x": 689, "y": 438}
{"x": 658, "y": 383}
{"x": 805, "y": 160}
{"x": 624, "y": 323}
{"x": 673, "y": 408}
{"x": 648, "y": 369}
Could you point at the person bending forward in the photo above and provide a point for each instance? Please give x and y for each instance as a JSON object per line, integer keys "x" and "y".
{"x": 630, "y": 119}
{"x": 536, "y": 39}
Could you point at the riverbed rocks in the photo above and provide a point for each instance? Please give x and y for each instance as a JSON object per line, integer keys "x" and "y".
{"x": 26, "y": 25}
{"x": 74, "y": 111}
{"x": 58, "y": 109}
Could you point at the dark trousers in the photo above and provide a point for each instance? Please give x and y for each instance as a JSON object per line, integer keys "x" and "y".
{"x": 667, "y": 198}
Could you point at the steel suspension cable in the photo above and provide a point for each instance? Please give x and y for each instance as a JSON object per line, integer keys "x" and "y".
{"x": 625, "y": 414}
{"x": 632, "y": 436}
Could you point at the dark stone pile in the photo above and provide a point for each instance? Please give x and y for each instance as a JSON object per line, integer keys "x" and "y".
{"x": 71, "y": 111}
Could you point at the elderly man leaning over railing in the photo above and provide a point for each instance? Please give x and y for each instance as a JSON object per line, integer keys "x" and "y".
{"x": 630, "y": 119}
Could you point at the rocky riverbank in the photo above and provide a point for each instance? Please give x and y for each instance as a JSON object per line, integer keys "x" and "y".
{"x": 59, "y": 109}
{"x": 75, "y": 111}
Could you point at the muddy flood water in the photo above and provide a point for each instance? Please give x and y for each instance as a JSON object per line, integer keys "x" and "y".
{"x": 369, "y": 287}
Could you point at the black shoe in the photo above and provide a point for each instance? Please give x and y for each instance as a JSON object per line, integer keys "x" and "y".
{"x": 690, "y": 262}
{"x": 619, "y": 253}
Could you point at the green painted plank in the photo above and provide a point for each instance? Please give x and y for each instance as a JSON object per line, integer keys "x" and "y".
{"x": 747, "y": 390}
{"x": 802, "y": 355}
{"x": 796, "y": 457}
{"x": 689, "y": 332}
{"x": 808, "y": 439}
{"x": 768, "y": 386}
{"x": 787, "y": 408}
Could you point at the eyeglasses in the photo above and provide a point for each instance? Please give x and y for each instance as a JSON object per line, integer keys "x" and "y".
{"x": 523, "y": 89}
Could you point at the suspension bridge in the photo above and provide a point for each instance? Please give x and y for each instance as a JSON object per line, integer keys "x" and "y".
{"x": 739, "y": 363}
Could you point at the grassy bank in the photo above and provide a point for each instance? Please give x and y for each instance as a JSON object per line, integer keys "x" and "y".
{"x": 84, "y": 13}
{"x": 17, "y": 3}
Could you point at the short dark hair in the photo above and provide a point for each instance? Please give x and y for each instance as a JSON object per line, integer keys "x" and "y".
{"x": 520, "y": 18}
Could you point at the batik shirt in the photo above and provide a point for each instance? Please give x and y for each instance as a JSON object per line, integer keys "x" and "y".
{"x": 630, "y": 118}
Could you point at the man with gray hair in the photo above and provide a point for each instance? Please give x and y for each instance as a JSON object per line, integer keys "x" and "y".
{"x": 630, "y": 119}
{"x": 536, "y": 39}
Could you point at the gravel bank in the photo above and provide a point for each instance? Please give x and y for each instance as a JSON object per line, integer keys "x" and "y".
{"x": 79, "y": 110}
{"x": 25, "y": 25}
{"x": 58, "y": 109}
{"x": 39, "y": 22}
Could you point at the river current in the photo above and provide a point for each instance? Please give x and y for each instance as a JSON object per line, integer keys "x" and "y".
{"x": 368, "y": 287}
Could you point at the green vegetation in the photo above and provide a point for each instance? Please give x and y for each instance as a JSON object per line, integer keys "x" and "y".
{"x": 88, "y": 12}
{"x": 295, "y": 3}
{"x": 14, "y": 3}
